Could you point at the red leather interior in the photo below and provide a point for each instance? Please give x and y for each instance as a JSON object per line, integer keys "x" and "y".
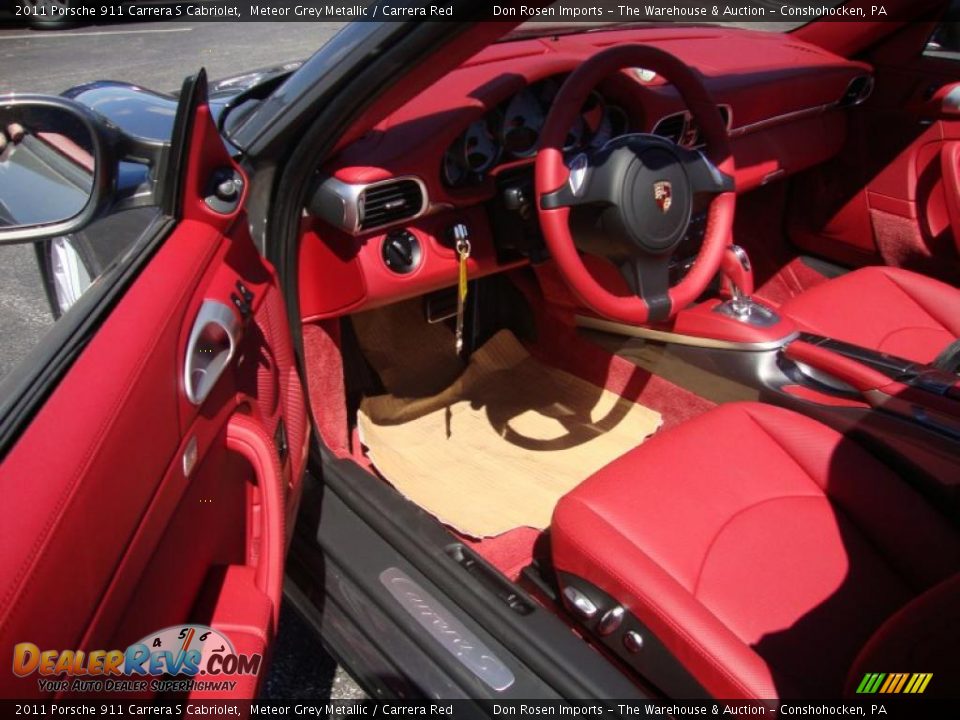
{"x": 888, "y": 309}
{"x": 248, "y": 438}
{"x": 855, "y": 374}
{"x": 761, "y": 75}
{"x": 888, "y": 196}
{"x": 764, "y": 549}
{"x": 551, "y": 173}
{"x": 340, "y": 273}
{"x": 107, "y": 536}
{"x": 950, "y": 168}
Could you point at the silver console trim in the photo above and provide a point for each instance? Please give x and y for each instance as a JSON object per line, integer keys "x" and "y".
{"x": 618, "y": 328}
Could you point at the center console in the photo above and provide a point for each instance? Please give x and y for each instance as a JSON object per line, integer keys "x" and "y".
{"x": 735, "y": 348}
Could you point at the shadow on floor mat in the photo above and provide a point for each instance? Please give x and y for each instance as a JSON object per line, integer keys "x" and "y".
{"x": 499, "y": 446}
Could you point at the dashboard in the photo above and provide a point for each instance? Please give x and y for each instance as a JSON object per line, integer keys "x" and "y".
{"x": 511, "y": 132}
{"x": 378, "y": 225}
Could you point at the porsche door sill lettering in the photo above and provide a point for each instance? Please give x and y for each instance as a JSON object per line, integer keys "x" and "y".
{"x": 453, "y": 635}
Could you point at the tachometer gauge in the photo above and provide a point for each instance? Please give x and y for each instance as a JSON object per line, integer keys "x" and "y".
{"x": 613, "y": 123}
{"x": 480, "y": 148}
{"x": 522, "y": 123}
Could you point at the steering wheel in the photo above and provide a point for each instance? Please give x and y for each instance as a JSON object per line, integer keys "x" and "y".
{"x": 631, "y": 201}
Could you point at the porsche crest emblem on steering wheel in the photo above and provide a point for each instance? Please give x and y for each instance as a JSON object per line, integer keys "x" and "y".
{"x": 663, "y": 194}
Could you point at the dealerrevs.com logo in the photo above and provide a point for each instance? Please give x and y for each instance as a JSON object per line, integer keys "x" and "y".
{"x": 181, "y": 658}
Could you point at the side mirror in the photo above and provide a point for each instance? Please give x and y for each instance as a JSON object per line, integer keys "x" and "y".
{"x": 57, "y": 167}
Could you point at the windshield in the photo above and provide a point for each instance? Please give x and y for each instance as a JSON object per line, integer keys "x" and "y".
{"x": 563, "y": 17}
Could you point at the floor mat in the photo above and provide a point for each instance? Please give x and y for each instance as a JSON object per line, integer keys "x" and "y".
{"x": 413, "y": 358}
{"x": 499, "y": 446}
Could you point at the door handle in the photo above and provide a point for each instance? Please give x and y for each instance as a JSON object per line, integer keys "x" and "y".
{"x": 247, "y": 437}
{"x": 212, "y": 343}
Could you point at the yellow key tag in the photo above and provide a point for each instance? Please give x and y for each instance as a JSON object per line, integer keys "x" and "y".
{"x": 463, "y": 252}
{"x": 463, "y": 277}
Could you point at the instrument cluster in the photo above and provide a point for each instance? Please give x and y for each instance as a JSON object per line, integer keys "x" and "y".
{"x": 511, "y": 131}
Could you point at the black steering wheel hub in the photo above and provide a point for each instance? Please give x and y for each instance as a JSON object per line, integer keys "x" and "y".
{"x": 635, "y": 197}
{"x": 655, "y": 199}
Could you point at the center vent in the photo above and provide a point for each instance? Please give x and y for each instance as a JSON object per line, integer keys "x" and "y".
{"x": 358, "y": 207}
{"x": 671, "y": 127}
{"x": 389, "y": 202}
{"x": 682, "y": 129}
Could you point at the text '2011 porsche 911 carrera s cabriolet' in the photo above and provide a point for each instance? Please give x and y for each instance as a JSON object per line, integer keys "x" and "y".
{"x": 573, "y": 362}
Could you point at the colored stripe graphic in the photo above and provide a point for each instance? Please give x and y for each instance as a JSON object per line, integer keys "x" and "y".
{"x": 893, "y": 683}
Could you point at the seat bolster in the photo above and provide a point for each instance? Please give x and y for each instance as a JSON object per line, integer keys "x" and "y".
{"x": 723, "y": 664}
{"x": 881, "y": 504}
{"x": 922, "y": 637}
{"x": 887, "y": 309}
{"x": 938, "y": 299}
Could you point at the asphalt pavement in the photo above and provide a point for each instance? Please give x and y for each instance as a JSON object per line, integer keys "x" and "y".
{"x": 153, "y": 55}
{"x": 157, "y": 56}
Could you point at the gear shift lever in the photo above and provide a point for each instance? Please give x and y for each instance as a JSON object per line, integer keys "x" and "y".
{"x": 737, "y": 269}
{"x": 738, "y": 272}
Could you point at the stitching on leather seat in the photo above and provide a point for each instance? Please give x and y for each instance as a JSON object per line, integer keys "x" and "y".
{"x": 734, "y": 516}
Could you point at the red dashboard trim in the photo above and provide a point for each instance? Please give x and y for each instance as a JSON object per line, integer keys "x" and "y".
{"x": 759, "y": 74}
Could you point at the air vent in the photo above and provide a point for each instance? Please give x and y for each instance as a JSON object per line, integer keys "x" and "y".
{"x": 682, "y": 129}
{"x": 726, "y": 115}
{"x": 389, "y": 202}
{"x": 858, "y": 90}
{"x": 671, "y": 127}
{"x": 359, "y": 207}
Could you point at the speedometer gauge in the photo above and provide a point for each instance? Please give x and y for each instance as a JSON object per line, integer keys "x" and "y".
{"x": 480, "y": 148}
{"x": 522, "y": 123}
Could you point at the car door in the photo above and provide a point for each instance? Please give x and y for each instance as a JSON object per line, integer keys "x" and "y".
{"x": 893, "y": 195}
{"x": 147, "y": 499}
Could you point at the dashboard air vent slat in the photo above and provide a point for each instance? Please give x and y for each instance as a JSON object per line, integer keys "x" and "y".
{"x": 671, "y": 127}
{"x": 389, "y": 202}
{"x": 858, "y": 90}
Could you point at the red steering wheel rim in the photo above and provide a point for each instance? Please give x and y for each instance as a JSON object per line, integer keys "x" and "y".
{"x": 552, "y": 174}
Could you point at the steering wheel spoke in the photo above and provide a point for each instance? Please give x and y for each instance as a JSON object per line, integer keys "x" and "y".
{"x": 583, "y": 187}
{"x": 706, "y": 179}
{"x": 648, "y": 277}
{"x": 646, "y": 189}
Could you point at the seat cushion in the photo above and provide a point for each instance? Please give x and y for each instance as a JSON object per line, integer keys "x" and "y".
{"x": 761, "y": 547}
{"x": 888, "y": 309}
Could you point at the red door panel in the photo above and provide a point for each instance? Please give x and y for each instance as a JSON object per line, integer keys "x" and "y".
{"x": 128, "y": 508}
{"x": 888, "y": 196}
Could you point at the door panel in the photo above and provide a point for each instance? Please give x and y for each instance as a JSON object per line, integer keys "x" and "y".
{"x": 887, "y": 198}
{"x": 129, "y": 508}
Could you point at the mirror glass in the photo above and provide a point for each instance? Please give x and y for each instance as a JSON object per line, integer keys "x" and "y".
{"x": 47, "y": 165}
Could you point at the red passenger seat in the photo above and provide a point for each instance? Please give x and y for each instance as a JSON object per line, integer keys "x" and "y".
{"x": 760, "y": 554}
{"x": 883, "y": 308}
